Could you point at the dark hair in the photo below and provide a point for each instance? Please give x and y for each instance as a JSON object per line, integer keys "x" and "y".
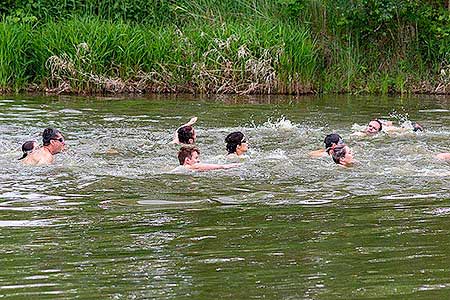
{"x": 27, "y": 148}
{"x": 48, "y": 135}
{"x": 331, "y": 139}
{"x": 186, "y": 133}
{"x": 233, "y": 140}
{"x": 338, "y": 153}
{"x": 186, "y": 152}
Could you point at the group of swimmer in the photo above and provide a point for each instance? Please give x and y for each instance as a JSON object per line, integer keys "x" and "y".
{"x": 53, "y": 142}
{"x": 341, "y": 152}
{"x": 189, "y": 155}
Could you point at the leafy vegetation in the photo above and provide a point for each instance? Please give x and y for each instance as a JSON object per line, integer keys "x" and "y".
{"x": 212, "y": 46}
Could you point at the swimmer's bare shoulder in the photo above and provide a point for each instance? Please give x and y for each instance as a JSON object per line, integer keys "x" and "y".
{"x": 38, "y": 158}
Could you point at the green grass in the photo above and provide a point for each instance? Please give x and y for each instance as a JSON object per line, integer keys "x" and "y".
{"x": 14, "y": 56}
{"x": 213, "y": 46}
{"x": 87, "y": 54}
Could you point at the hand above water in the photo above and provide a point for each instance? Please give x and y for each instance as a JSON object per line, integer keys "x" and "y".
{"x": 190, "y": 123}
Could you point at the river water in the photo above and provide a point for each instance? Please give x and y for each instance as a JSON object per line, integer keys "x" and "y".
{"x": 109, "y": 220}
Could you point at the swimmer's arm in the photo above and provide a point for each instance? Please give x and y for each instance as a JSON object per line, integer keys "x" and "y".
{"x": 393, "y": 129}
{"x": 209, "y": 167}
{"x": 191, "y": 122}
{"x": 359, "y": 133}
{"x": 443, "y": 156}
{"x": 386, "y": 123}
{"x": 317, "y": 153}
{"x": 175, "y": 134}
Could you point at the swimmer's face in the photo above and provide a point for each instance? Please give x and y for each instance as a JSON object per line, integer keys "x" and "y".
{"x": 58, "y": 143}
{"x": 347, "y": 160}
{"x": 194, "y": 159}
{"x": 242, "y": 148}
{"x": 373, "y": 127}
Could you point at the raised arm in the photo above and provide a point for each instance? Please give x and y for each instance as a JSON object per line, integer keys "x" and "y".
{"x": 175, "y": 134}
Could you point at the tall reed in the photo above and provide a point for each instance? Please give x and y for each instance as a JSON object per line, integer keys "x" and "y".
{"x": 231, "y": 57}
{"x": 15, "y": 49}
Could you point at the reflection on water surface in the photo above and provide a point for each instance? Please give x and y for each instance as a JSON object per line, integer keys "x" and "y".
{"x": 110, "y": 220}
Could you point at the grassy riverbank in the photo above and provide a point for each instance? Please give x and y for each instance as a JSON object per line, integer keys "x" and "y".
{"x": 291, "y": 46}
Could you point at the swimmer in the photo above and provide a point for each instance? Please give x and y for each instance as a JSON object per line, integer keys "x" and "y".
{"x": 53, "y": 143}
{"x": 376, "y": 126}
{"x": 330, "y": 141}
{"x": 28, "y": 148}
{"x": 236, "y": 144}
{"x": 342, "y": 155}
{"x": 188, "y": 157}
{"x": 185, "y": 134}
{"x": 443, "y": 156}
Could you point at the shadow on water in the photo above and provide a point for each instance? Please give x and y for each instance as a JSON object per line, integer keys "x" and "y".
{"x": 110, "y": 219}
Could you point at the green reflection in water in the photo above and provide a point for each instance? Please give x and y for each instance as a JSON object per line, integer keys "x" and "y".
{"x": 99, "y": 225}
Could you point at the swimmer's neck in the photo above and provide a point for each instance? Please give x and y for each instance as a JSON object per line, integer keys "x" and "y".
{"x": 235, "y": 154}
{"x": 239, "y": 152}
{"x": 47, "y": 149}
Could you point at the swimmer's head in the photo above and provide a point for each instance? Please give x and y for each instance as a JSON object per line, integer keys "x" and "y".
{"x": 342, "y": 155}
{"x": 28, "y": 147}
{"x": 54, "y": 139}
{"x": 188, "y": 155}
{"x": 186, "y": 134}
{"x": 236, "y": 143}
{"x": 374, "y": 127}
{"x": 331, "y": 141}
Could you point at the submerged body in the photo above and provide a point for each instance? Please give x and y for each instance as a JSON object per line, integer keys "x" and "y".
{"x": 377, "y": 126}
{"x": 185, "y": 134}
{"x": 236, "y": 144}
{"x": 343, "y": 155}
{"x": 53, "y": 142}
{"x": 330, "y": 141}
{"x": 189, "y": 158}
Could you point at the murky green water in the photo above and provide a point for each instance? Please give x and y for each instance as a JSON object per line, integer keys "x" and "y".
{"x": 283, "y": 226}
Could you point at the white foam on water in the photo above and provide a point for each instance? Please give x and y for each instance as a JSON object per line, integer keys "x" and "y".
{"x": 25, "y": 223}
{"x": 408, "y": 196}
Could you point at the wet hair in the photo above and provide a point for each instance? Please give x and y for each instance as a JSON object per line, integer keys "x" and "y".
{"x": 331, "y": 139}
{"x": 379, "y": 122}
{"x": 48, "y": 135}
{"x": 338, "y": 153}
{"x": 27, "y": 148}
{"x": 186, "y": 152}
{"x": 233, "y": 140}
{"x": 186, "y": 133}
